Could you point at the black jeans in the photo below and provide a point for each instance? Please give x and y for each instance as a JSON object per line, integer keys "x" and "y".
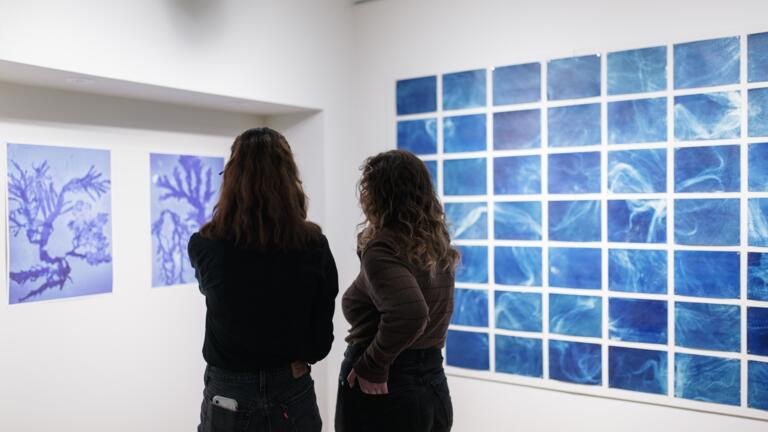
{"x": 418, "y": 399}
{"x": 267, "y": 401}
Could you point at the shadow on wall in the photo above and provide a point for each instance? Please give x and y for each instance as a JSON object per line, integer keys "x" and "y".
{"x": 198, "y": 18}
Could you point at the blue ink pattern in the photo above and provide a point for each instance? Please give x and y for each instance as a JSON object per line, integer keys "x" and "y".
{"x": 708, "y": 379}
{"x": 518, "y": 311}
{"x": 464, "y": 176}
{"x": 574, "y": 173}
{"x": 708, "y": 116}
{"x": 417, "y": 95}
{"x": 637, "y": 271}
{"x": 637, "y": 221}
{"x": 758, "y": 167}
{"x": 758, "y": 112}
{"x": 758, "y": 222}
{"x": 757, "y": 53}
{"x": 517, "y": 84}
{"x": 520, "y": 220}
{"x": 714, "y": 327}
{"x": 470, "y": 307}
{"x": 637, "y": 71}
{"x": 758, "y": 385}
{"x": 465, "y": 133}
{"x": 707, "y": 222}
{"x": 757, "y": 331}
{"x": 517, "y": 175}
{"x": 575, "y": 362}
{"x": 574, "y": 126}
{"x": 637, "y": 370}
{"x": 707, "y": 63}
{"x": 574, "y": 221}
{"x": 575, "y": 315}
{"x": 519, "y": 266}
{"x": 467, "y": 350}
{"x": 517, "y": 130}
{"x": 575, "y": 268}
{"x": 519, "y": 356}
{"x": 757, "y": 276}
{"x": 464, "y": 90}
{"x": 637, "y": 320}
{"x": 467, "y": 220}
{"x": 474, "y": 264}
{"x": 417, "y": 136}
{"x": 573, "y": 78}
{"x": 637, "y": 171}
{"x": 707, "y": 274}
{"x": 708, "y": 169}
{"x": 637, "y": 121}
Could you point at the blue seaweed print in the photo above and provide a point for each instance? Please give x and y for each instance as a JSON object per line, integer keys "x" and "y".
{"x": 575, "y": 268}
{"x": 758, "y": 112}
{"x": 517, "y": 84}
{"x": 474, "y": 264}
{"x": 519, "y": 356}
{"x": 520, "y": 220}
{"x": 467, "y": 350}
{"x": 757, "y": 53}
{"x": 637, "y": 271}
{"x": 416, "y": 95}
{"x": 708, "y": 116}
{"x": 707, "y": 63}
{"x": 417, "y": 136}
{"x": 707, "y": 274}
{"x": 470, "y": 307}
{"x": 517, "y": 175}
{"x": 467, "y": 220}
{"x": 637, "y": 370}
{"x": 183, "y": 193}
{"x": 758, "y": 222}
{"x": 757, "y": 276}
{"x": 464, "y": 177}
{"x": 59, "y": 222}
{"x": 574, "y": 221}
{"x": 575, "y": 315}
{"x": 574, "y": 126}
{"x": 464, "y": 90}
{"x": 519, "y": 266}
{"x": 518, "y": 311}
{"x": 637, "y": 71}
{"x": 575, "y": 362}
{"x": 758, "y": 385}
{"x": 636, "y": 320}
{"x": 714, "y": 327}
{"x": 637, "y": 121}
{"x": 758, "y": 167}
{"x": 517, "y": 130}
{"x": 637, "y": 221}
{"x": 757, "y": 331}
{"x": 574, "y": 173}
{"x": 573, "y": 78}
{"x": 637, "y": 171}
{"x": 708, "y": 379}
{"x": 707, "y": 222}
{"x": 708, "y": 169}
{"x": 464, "y": 133}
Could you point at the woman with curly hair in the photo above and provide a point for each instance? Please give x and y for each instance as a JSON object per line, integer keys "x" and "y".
{"x": 399, "y": 306}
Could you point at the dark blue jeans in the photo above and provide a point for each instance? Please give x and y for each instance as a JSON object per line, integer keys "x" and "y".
{"x": 418, "y": 399}
{"x": 267, "y": 402}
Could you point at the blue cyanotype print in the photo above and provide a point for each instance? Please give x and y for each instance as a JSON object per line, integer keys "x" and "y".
{"x": 517, "y": 175}
{"x": 518, "y": 311}
{"x": 637, "y": 121}
{"x": 758, "y": 112}
{"x": 707, "y": 274}
{"x": 575, "y": 268}
{"x": 637, "y": 171}
{"x": 757, "y": 385}
{"x": 707, "y": 63}
{"x": 417, "y": 136}
{"x": 183, "y": 192}
{"x": 574, "y": 173}
{"x": 517, "y": 129}
{"x": 467, "y": 221}
{"x": 637, "y": 370}
{"x": 520, "y": 220}
{"x": 464, "y": 90}
{"x": 517, "y": 84}
{"x": 465, "y": 133}
{"x": 757, "y": 53}
{"x": 519, "y": 356}
{"x": 59, "y": 222}
{"x": 467, "y": 350}
{"x": 573, "y": 78}
{"x": 519, "y": 266}
{"x": 708, "y": 116}
{"x": 473, "y": 267}
{"x": 636, "y": 320}
{"x": 757, "y": 331}
{"x": 758, "y": 222}
{"x": 575, "y": 362}
{"x": 715, "y": 327}
{"x": 464, "y": 177}
{"x": 708, "y": 169}
{"x": 575, "y": 315}
{"x": 417, "y": 95}
{"x": 758, "y": 167}
{"x": 757, "y": 276}
{"x": 574, "y": 126}
{"x": 707, "y": 222}
{"x": 574, "y": 221}
{"x": 708, "y": 379}
{"x": 637, "y": 221}
{"x": 470, "y": 307}
{"x": 432, "y": 168}
{"x": 637, "y": 271}
{"x": 637, "y": 71}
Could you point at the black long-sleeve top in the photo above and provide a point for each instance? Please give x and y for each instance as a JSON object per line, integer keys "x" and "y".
{"x": 265, "y": 309}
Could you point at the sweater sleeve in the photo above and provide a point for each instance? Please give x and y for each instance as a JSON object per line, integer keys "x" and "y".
{"x": 403, "y": 311}
{"x": 323, "y": 308}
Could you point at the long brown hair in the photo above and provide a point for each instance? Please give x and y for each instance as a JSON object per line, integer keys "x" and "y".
{"x": 262, "y": 203}
{"x": 396, "y": 193}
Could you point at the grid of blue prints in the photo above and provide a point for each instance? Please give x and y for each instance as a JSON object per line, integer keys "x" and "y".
{"x": 612, "y": 215}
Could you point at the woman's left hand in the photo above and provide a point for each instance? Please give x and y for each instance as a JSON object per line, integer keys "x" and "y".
{"x": 366, "y": 386}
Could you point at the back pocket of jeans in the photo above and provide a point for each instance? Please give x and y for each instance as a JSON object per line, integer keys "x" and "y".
{"x": 221, "y": 419}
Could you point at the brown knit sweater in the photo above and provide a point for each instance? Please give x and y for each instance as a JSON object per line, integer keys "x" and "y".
{"x": 392, "y": 307}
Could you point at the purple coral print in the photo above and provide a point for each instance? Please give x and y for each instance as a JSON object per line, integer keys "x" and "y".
{"x": 183, "y": 193}
{"x": 59, "y": 224}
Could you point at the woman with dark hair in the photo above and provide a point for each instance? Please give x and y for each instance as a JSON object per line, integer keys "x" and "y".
{"x": 270, "y": 284}
{"x": 399, "y": 306}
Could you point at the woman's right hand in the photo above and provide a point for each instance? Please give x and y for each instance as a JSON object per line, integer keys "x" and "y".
{"x": 366, "y": 386}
